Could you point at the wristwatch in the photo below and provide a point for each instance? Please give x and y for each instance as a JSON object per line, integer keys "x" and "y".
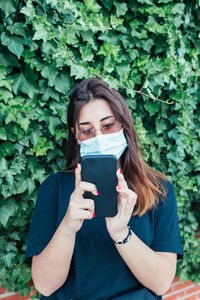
{"x": 122, "y": 242}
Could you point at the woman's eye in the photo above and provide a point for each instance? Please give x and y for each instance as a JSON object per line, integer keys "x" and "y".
{"x": 87, "y": 131}
{"x": 109, "y": 125}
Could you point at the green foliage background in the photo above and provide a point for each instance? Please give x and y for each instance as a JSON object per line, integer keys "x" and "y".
{"x": 147, "y": 49}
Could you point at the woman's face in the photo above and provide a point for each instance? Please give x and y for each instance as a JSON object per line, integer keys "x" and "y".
{"x": 95, "y": 113}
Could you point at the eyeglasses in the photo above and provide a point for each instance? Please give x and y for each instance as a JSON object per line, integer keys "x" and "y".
{"x": 110, "y": 125}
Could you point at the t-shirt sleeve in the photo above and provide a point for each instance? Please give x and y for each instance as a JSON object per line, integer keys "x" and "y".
{"x": 44, "y": 218}
{"x": 166, "y": 234}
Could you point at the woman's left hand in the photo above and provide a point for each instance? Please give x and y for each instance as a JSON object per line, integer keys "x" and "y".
{"x": 118, "y": 225}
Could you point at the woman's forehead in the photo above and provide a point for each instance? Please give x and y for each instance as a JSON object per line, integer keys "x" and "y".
{"x": 95, "y": 110}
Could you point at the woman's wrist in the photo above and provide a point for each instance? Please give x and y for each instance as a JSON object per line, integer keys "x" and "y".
{"x": 121, "y": 242}
{"x": 120, "y": 234}
{"x": 66, "y": 230}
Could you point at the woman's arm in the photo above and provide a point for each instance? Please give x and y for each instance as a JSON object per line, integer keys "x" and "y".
{"x": 155, "y": 270}
{"x": 50, "y": 268}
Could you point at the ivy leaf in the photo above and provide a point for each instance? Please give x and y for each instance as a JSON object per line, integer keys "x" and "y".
{"x": 86, "y": 53}
{"x": 69, "y": 35}
{"x": 19, "y": 148}
{"x": 60, "y": 133}
{"x": 61, "y": 83}
{"x": 50, "y": 92}
{"x": 21, "y": 186}
{"x": 15, "y": 236}
{"x": 7, "y": 259}
{"x": 92, "y": 5}
{"x": 155, "y": 155}
{"x": 152, "y": 107}
{"x": 9, "y": 148}
{"x": 108, "y": 64}
{"x": 30, "y": 186}
{"x": 7, "y": 58}
{"x": 3, "y": 134}
{"x": 49, "y": 72}
{"x": 14, "y": 43}
{"x": 9, "y": 118}
{"x": 42, "y": 146}
{"x": 41, "y": 33}
{"x": 21, "y": 83}
{"x": 48, "y": 47}
{"x": 53, "y": 122}
{"x": 141, "y": 130}
{"x": 3, "y": 164}
{"x": 146, "y": 45}
{"x": 23, "y": 123}
{"x": 8, "y": 6}
{"x": 7, "y": 210}
{"x": 7, "y": 84}
{"x": 178, "y": 8}
{"x": 39, "y": 174}
{"x": 153, "y": 26}
{"x": 28, "y": 10}
{"x": 174, "y": 134}
{"x": 108, "y": 48}
{"x": 121, "y": 8}
{"x": 160, "y": 126}
{"x": 17, "y": 28}
{"x": 78, "y": 71}
{"x": 88, "y": 37}
{"x": 115, "y": 21}
{"x": 9, "y": 177}
{"x": 123, "y": 70}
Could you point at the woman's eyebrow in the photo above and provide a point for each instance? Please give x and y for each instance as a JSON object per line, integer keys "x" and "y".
{"x": 105, "y": 118}
{"x": 84, "y": 123}
{"x": 87, "y": 123}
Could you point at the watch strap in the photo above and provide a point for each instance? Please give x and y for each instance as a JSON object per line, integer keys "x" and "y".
{"x": 122, "y": 242}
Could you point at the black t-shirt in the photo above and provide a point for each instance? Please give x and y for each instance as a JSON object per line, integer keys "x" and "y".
{"x": 97, "y": 270}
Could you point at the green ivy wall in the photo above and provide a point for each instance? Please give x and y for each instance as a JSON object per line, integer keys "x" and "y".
{"x": 147, "y": 49}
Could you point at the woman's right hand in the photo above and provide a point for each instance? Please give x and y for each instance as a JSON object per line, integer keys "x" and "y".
{"x": 79, "y": 208}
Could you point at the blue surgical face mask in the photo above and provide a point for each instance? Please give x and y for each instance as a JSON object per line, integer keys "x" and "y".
{"x": 112, "y": 143}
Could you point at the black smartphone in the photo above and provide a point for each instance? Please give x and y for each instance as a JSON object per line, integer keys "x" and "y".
{"x": 101, "y": 170}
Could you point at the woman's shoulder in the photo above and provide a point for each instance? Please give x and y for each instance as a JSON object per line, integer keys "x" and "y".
{"x": 166, "y": 184}
{"x": 168, "y": 196}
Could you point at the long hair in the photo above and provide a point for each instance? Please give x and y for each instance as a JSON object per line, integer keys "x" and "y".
{"x": 141, "y": 178}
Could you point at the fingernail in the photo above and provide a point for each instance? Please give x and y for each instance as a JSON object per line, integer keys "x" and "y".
{"x": 98, "y": 192}
{"x": 76, "y": 165}
{"x": 119, "y": 187}
{"x": 120, "y": 171}
{"x": 94, "y": 215}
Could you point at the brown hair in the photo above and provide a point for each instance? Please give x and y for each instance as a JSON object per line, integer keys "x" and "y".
{"x": 142, "y": 179}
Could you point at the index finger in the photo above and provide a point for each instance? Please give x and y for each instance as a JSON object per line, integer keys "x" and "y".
{"x": 77, "y": 175}
{"x": 121, "y": 181}
{"x": 86, "y": 187}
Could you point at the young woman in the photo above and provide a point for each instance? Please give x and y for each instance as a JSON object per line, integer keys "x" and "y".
{"x": 75, "y": 255}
